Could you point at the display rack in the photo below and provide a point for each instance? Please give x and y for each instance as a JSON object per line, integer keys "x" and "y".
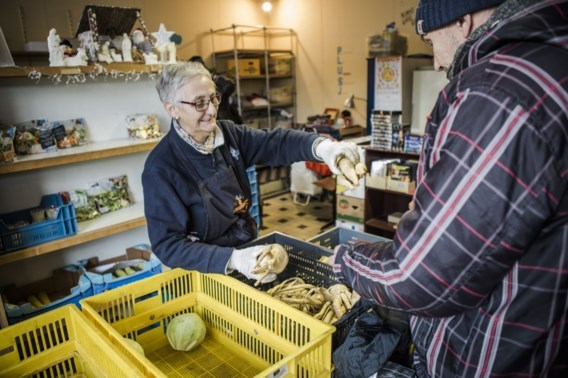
{"x": 240, "y": 44}
{"x": 102, "y": 93}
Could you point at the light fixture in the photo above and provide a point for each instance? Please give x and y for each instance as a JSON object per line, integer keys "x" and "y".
{"x": 350, "y": 101}
{"x": 267, "y": 6}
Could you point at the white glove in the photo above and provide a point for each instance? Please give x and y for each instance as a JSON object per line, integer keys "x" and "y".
{"x": 244, "y": 261}
{"x": 332, "y": 152}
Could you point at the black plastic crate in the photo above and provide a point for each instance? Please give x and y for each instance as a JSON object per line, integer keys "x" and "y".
{"x": 304, "y": 263}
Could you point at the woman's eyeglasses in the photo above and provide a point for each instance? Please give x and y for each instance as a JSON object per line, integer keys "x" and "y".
{"x": 203, "y": 105}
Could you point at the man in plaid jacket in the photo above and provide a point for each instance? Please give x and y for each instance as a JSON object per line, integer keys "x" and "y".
{"x": 481, "y": 261}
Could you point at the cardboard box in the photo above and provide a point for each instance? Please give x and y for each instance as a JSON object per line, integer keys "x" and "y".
{"x": 401, "y": 186}
{"x": 342, "y": 185}
{"x": 350, "y": 225}
{"x": 247, "y": 67}
{"x": 67, "y": 285}
{"x": 376, "y": 182}
{"x": 138, "y": 258}
{"x": 281, "y": 95}
{"x": 350, "y": 208}
{"x": 253, "y": 123}
{"x": 394, "y": 217}
{"x": 280, "y": 66}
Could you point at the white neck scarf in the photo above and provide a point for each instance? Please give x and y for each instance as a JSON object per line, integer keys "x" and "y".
{"x": 215, "y": 139}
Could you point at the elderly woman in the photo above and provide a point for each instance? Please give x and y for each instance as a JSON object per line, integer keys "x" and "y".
{"x": 196, "y": 191}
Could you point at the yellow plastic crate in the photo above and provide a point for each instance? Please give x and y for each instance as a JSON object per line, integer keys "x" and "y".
{"x": 60, "y": 343}
{"x": 249, "y": 333}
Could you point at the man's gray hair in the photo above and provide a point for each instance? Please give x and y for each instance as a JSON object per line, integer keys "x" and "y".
{"x": 174, "y": 76}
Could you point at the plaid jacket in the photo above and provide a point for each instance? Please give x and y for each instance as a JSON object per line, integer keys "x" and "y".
{"x": 481, "y": 263}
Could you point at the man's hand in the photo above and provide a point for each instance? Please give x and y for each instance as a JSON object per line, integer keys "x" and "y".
{"x": 331, "y": 259}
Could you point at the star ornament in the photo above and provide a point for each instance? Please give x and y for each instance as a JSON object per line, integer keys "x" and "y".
{"x": 162, "y": 35}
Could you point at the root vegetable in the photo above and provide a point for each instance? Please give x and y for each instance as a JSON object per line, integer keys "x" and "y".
{"x": 42, "y": 296}
{"x": 273, "y": 260}
{"x": 347, "y": 170}
{"x": 32, "y": 299}
{"x": 360, "y": 169}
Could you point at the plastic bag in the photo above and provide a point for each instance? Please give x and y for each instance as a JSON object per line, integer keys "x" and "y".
{"x": 370, "y": 343}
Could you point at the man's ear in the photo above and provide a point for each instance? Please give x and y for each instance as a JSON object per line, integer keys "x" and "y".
{"x": 465, "y": 25}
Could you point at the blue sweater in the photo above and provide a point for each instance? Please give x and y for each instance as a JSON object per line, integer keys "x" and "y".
{"x": 173, "y": 205}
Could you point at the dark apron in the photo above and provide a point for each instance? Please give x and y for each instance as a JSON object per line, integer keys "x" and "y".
{"x": 223, "y": 228}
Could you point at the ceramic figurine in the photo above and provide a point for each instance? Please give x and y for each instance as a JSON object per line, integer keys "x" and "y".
{"x": 116, "y": 57}
{"x": 79, "y": 59}
{"x": 55, "y": 52}
{"x": 126, "y": 48}
{"x": 104, "y": 54}
{"x": 150, "y": 58}
{"x": 171, "y": 47}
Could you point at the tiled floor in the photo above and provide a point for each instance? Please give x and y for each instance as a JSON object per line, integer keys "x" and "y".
{"x": 282, "y": 214}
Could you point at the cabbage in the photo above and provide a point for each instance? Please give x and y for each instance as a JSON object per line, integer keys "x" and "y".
{"x": 185, "y": 332}
{"x": 136, "y": 345}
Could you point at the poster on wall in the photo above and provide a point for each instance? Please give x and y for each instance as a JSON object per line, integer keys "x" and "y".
{"x": 388, "y": 84}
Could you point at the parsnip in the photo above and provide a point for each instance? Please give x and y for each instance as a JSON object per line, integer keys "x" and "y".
{"x": 352, "y": 173}
{"x": 32, "y": 299}
{"x": 273, "y": 260}
{"x": 42, "y": 296}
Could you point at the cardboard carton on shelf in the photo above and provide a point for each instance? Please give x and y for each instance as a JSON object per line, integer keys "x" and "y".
{"x": 402, "y": 186}
{"x": 376, "y": 182}
{"x": 247, "y": 67}
{"x": 394, "y": 217}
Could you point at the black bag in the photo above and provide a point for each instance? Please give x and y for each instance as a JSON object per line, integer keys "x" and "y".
{"x": 368, "y": 346}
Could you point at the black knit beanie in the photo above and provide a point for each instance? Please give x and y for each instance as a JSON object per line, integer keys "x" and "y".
{"x": 433, "y": 14}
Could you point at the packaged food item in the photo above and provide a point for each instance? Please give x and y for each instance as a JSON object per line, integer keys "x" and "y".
{"x": 33, "y": 137}
{"x": 143, "y": 126}
{"x": 85, "y": 206}
{"x": 70, "y": 132}
{"x": 7, "y": 133}
{"x": 110, "y": 194}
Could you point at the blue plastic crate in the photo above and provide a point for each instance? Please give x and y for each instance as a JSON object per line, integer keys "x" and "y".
{"x": 64, "y": 224}
{"x": 68, "y": 279}
{"x": 254, "y": 206}
{"x": 251, "y": 174}
{"x": 332, "y": 238}
{"x": 106, "y": 281}
{"x": 254, "y": 212}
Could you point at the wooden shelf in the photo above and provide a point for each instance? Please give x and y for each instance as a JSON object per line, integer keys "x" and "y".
{"x": 109, "y": 224}
{"x": 91, "y": 151}
{"x": 390, "y": 191}
{"x": 250, "y": 53}
{"x": 264, "y": 107}
{"x": 98, "y": 69}
{"x": 381, "y": 224}
{"x": 263, "y": 77}
{"x": 404, "y": 155}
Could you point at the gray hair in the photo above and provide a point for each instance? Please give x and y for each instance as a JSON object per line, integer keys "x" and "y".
{"x": 174, "y": 76}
